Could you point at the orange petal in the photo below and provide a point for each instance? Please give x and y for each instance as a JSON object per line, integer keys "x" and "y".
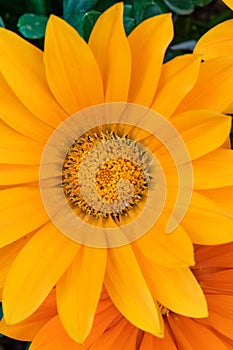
{"x": 8, "y": 255}
{"x": 14, "y": 113}
{"x": 78, "y": 84}
{"x": 21, "y": 212}
{"x": 11, "y": 174}
{"x": 179, "y": 75}
{"x": 18, "y": 149}
{"x": 112, "y": 52}
{"x": 218, "y": 41}
{"x": 214, "y": 170}
{"x": 123, "y": 335}
{"x": 217, "y": 257}
{"x": 220, "y": 314}
{"x": 221, "y": 196}
{"x": 23, "y": 68}
{"x": 27, "y": 329}
{"x": 53, "y": 336}
{"x": 189, "y": 334}
{"x": 149, "y": 342}
{"x": 35, "y": 271}
{"x": 202, "y": 131}
{"x": 77, "y": 306}
{"x": 176, "y": 289}
{"x": 229, "y": 3}
{"x": 213, "y": 88}
{"x": 158, "y": 246}
{"x": 148, "y": 42}
{"x": 207, "y": 222}
{"x": 219, "y": 282}
{"x": 128, "y": 290}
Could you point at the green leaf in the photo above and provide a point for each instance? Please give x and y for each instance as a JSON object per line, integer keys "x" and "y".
{"x": 76, "y": 21}
{"x": 2, "y": 23}
{"x": 88, "y": 22}
{"x": 202, "y": 3}
{"x": 129, "y": 24}
{"x": 32, "y": 26}
{"x": 73, "y": 7}
{"x": 41, "y": 7}
{"x": 128, "y": 10}
{"x": 144, "y": 9}
{"x": 181, "y": 7}
{"x": 75, "y": 10}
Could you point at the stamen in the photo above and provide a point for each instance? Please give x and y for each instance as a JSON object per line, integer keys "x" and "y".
{"x": 164, "y": 311}
{"x": 105, "y": 175}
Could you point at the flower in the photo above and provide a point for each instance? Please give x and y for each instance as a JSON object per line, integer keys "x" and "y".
{"x": 40, "y": 92}
{"x": 213, "y": 270}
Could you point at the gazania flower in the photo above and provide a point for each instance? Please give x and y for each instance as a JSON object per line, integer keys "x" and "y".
{"x": 103, "y": 85}
{"x": 213, "y": 270}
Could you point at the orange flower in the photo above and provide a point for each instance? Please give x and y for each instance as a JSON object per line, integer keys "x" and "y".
{"x": 39, "y": 93}
{"x": 214, "y": 272}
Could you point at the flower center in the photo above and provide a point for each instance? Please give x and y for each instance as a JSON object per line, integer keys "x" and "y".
{"x": 105, "y": 175}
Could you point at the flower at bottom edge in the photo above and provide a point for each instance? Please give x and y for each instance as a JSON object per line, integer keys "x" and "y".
{"x": 213, "y": 270}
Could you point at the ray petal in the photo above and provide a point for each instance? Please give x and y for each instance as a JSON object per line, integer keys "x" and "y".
{"x": 112, "y": 52}
{"x": 30, "y": 280}
{"x": 148, "y": 42}
{"x": 128, "y": 290}
{"x": 78, "y": 84}
{"x": 78, "y": 291}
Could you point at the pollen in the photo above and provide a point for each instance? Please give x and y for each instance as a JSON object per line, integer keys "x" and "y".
{"x": 105, "y": 175}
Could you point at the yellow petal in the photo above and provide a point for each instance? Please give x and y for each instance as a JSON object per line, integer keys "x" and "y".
{"x": 179, "y": 75}
{"x": 78, "y": 84}
{"x": 22, "y": 66}
{"x": 27, "y": 329}
{"x": 18, "y": 149}
{"x": 222, "y": 196}
{"x": 158, "y": 246}
{"x": 218, "y": 41}
{"x": 148, "y": 42}
{"x": 112, "y": 52}
{"x": 128, "y": 290}
{"x": 176, "y": 289}
{"x": 214, "y": 170}
{"x": 18, "y": 174}
{"x": 229, "y": 3}
{"x": 207, "y": 222}
{"x": 21, "y": 211}
{"x": 213, "y": 89}
{"x": 13, "y": 112}
{"x": 8, "y": 255}
{"x": 78, "y": 291}
{"x": 202, "y": 131}
{"x": 35, "y": 271}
